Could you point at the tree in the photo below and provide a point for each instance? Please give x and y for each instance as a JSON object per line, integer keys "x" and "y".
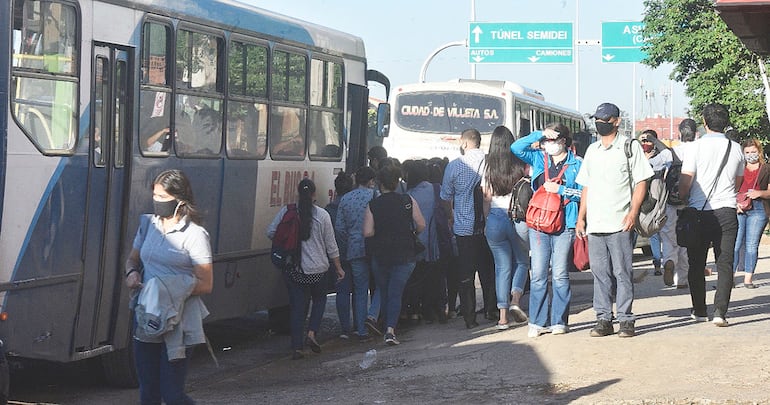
{"x": 711, "y": 61}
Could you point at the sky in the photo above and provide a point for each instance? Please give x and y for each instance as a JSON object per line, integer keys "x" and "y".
{"x": 399, "y": 35}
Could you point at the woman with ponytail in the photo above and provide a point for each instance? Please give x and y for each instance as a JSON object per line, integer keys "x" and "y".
{"x": 318, "y": 248}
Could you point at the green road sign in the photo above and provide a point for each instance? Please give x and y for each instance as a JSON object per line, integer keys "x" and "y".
{"x": 520, "y": 42}
{"x": 622, "y": 42}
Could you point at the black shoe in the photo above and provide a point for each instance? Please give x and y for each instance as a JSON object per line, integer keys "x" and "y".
{"x": 668, "y": 273}
{"x": 471, "y": 324}
{"x": 365, "y": 338}
{"x": 297, "y": 355}
{"x": 626, "y": 329}
{"x": 603, "y": 328}
{"x": 371, "y": 324}
{"x": 313, "y": 345}
{"x": 658, "y": 273}
{"x": 442, "y": 317}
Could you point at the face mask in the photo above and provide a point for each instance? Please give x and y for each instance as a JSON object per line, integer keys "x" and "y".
{"x": 604, "y": 128}
{"x": 752, "y": 157}
{"x": 165, "y": 209}
{"x": 648, "y": 147}
{"x": 553, "y": 148}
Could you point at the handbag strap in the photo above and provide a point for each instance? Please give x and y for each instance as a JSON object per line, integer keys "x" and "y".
{"x": 719, "y": 173}
{"x": 545, "y": 167}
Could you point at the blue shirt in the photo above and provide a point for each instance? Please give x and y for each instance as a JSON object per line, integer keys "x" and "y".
{"x": 172, "y": 253}
{"x": 349, "y": 224}
{"x": 460, "y": 177}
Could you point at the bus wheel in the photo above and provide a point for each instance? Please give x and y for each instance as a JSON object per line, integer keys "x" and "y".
{"x": 119, "y": 368}
{"x": 4, "y": 376}
{"x": 279, "y": 320}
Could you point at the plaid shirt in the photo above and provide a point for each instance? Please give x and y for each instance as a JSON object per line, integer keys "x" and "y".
{"x": 460, "y": 177}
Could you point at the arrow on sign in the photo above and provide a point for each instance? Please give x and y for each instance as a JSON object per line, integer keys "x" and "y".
{"x": 533, "y": 59}
{"x": 477, "y": 58}
{"x": 608, "y": 57}
{"x": 477, "y": 31}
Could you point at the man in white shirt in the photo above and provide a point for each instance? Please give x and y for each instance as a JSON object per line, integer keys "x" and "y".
{"x": 712, "y": 193}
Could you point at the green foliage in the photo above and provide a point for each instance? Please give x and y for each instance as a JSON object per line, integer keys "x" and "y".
{"x": 711, "y": 61}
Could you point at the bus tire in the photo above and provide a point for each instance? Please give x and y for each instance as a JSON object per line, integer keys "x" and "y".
{"x": 119, "y": 368}
{"x": 279, "y": 320}
{"x": 5, "y": 376}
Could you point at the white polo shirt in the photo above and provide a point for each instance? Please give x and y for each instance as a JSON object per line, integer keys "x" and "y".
{"x": 703, "y": 158}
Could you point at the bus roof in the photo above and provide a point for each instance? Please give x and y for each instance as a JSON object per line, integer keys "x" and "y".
{"x": 236, "y": 16}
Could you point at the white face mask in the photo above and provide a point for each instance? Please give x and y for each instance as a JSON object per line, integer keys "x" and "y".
{"x": 553, "y": 148}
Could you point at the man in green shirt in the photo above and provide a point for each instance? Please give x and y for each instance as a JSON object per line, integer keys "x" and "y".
{"x": 614, "y": 185}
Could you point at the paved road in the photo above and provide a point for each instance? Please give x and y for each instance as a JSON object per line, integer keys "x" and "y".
{"x": 672, "y": 360}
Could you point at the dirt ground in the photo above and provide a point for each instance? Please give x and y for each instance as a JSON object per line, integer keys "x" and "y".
{"x": 672, "y": 360}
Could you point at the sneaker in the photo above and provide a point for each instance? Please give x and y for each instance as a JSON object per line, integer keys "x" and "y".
{"x": 364, "y": 338}
{"x": 668, "y": 273}
{"x": 603, "y": 328}
{"x": 390, "y": 339}
{"x": 371, "y": 324}
{"x": 535, "y": 331}
{"x": 719, "y": 321}
{"x": 698, "y": 318}
{"x": 519, "y": 316}
{"x": 559, "y": 329}
{"x": 626, "y": 329}
{"x": 344, "y": 336}
{"x": 297, "y": 355}
{"x": 681, "y": 286}
{"x": 502, "y": 326}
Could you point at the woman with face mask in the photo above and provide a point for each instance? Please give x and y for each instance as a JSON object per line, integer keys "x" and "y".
{"x": 551, "y": 250}
{"x": 170, "y": 262}
{"x": 752, "y": 220}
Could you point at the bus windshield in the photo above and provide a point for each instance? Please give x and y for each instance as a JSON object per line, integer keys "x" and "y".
{"x": 448, "y": 112}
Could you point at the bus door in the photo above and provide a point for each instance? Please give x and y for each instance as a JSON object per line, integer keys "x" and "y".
{"x": 110, "y": 134}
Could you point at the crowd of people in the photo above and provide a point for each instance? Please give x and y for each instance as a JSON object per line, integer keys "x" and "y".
{"x": 412, "y": 237}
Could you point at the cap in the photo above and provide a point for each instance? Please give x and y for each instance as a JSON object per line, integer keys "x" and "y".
{"x": 606, "y": 111}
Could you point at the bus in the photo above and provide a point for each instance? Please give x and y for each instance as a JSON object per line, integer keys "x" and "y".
{"x": 426, "y": 119}
{"x": 99, "y": 96}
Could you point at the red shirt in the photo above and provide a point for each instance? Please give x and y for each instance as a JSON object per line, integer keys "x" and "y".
{"x": 749, "y": 180}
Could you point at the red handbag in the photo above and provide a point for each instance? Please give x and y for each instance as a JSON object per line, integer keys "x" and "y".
{"x": 580, "y": 253}
{"x": 545, "y": 212}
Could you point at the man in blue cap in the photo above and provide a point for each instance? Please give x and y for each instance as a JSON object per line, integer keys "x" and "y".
{"x": 614, "y": 186}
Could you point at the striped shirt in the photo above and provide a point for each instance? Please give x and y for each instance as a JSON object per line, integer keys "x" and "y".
{"x": 460, "y": 176}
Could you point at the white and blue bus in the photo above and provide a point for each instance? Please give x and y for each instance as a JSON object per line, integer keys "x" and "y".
{"x": 426, "y": 119}
{"x": 99, "y": 96}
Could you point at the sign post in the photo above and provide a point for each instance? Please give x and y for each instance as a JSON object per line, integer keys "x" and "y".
{"x": 520, "y": 42}
{"x": 622, "y": 41}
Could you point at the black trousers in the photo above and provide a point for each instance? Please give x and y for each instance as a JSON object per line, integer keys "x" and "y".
{"x": 717, "y": 228}
{"x": 474, "y": 255}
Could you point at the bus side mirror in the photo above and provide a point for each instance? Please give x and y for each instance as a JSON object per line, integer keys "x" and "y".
{"x": 383, "y": 119}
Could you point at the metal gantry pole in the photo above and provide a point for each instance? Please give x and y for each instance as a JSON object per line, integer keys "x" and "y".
{"x": 473, "y": 19}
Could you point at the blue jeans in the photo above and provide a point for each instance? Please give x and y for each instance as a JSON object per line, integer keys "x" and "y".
{"x": 655, "y": 246}
{"x": 751, "y": 224}
{"x": 360, "y": 270}
{"x": 299, "y": 298}
{"x": 342, "y": 299}
{"x": 391, "y": 280}
{"x": 510, "y": 250}
{"x": 550, "y": 250}
{"x": 611, "y": 257}
{"x": 158, "y": 377}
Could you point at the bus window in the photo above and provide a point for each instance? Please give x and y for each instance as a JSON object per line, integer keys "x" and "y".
{"x": 198, "y": 126}
{"x": 448, "y": 112}
{"x": 44, "y": 83}
{"x": 198, "y": 119}
{"x": 288, "y": 77}
{"x": 247, "y": 116}
{"x": 155, "y": 95}
{"x": 325, "y": 125}
{"x": 287, "y": 127}
{"x": 287, "y": 133}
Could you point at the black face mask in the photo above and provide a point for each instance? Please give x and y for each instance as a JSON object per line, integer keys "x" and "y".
{"x": 164, "y": 209}
{"x": 604, "y": 128}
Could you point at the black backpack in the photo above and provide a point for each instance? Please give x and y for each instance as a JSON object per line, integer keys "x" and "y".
{"x": 520, "y": 196}
{"x": 672, "y": 180}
